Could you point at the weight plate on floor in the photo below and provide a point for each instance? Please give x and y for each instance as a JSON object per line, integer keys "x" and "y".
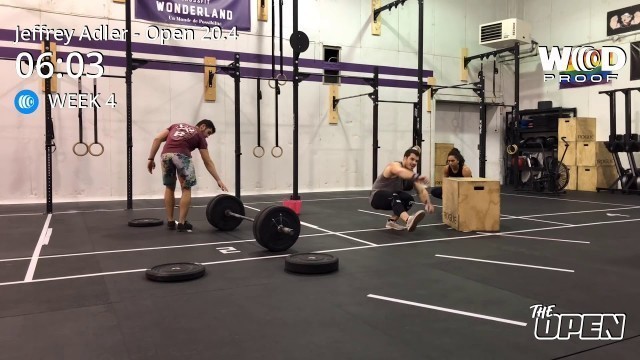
{"x": 311, "y": 263}
{"x": 175, "y": 272}
{"x": 266, "y": 224}
{"x": 145, "y": 222}
{"x": 216, "y": 212}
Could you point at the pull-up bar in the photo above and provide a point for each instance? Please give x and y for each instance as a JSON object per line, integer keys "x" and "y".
{"x": 138, "y": 63}
{"x": 435, "y": 88}
{"x": 62, "y": 73}
{"x": 12, "y": 59}
{"x": 397, "y": 101}
{"x": 337, "y": 100}
{"x": 618, "y": 90}
{"x": 367, "y": 80}
{"x": 389, "y": 6}
{"x": 513, "y": 49}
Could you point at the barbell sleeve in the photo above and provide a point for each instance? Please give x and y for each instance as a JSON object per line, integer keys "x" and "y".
{"x": 286, "y": 230}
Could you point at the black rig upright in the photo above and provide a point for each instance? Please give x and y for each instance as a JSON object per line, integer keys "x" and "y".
{"x": 48, "y": 134}
{"x": 128, "y": 76}
{"x": 296, "y": 85}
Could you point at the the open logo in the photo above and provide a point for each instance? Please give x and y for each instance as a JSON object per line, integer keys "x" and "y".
{"x": 553, "y": 326}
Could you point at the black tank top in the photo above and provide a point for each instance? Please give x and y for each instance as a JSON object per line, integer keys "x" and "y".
{"x": 455, "y": 174}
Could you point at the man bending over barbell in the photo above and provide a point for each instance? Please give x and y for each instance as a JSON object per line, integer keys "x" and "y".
{"x": 389, "y": 191}
{"x": 181, "y": 139}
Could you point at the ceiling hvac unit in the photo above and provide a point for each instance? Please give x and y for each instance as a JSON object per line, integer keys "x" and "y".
{"x": 505, "y": 33}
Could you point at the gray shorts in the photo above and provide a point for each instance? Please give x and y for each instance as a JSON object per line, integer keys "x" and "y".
{"x": 178, "y": 165}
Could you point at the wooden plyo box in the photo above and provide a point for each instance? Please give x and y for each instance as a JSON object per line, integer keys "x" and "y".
{"x": 471, "y": 204}
{"x": 438, "y": 174}
{"x": 570, "y": 156}
{"x": 593, "y": 153}
{"x": 576, "y": 129}
{"x": 442, "y": 149}
{"x": 573, "y": 178}
{"x": 592, "y": 177}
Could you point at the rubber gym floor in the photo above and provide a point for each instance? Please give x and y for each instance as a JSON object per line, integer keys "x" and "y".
{"x": 435, "y": 293}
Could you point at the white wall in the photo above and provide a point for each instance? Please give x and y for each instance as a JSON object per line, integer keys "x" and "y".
{"x": 459, "y": 124}
{"x": 331, "y": 157}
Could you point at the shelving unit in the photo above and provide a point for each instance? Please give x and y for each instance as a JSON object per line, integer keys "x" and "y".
{"x": 532, "y": 123}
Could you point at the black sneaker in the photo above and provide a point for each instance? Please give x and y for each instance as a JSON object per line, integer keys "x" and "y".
{"x": 186, "y": 227}
{"x": 171, "y": 224}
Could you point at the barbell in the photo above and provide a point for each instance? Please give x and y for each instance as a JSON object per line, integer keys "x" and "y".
{"x": 275, "y": 228}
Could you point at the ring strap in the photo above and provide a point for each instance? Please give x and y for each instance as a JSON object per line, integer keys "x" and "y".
{"x": 79, "y": 115}
{"x": 259, "y": 97}
{"x": 277, "y": 96}
{"x": 95, "y": 115}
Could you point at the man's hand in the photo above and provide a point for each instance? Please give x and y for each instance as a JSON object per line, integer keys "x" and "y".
{"x": 428, "y": 207}
{"x": 423, "y": 179}
{"x": 222, "y": 186}
{"x": 151, "y": 165}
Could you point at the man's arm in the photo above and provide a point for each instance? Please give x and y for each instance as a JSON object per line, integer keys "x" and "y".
{"x": 208, "y": 163}
{"x": 423, "y": 193}
{"x": 406, "y": 174}
{"x": 159, "y": 139}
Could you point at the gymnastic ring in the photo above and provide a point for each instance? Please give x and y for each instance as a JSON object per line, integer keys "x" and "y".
{"x": 80, "y": 153}
{"x": 258, "y": 150}
{"x": 512, "y": 149}
{"x": 281, "y": 76}
{"x": 273, "y": 152}
{"x": 97, "y": 153}
{"x": 269, "y": 83}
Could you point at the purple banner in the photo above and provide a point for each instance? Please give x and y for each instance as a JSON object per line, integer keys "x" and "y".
{"x": 224, "y": 13}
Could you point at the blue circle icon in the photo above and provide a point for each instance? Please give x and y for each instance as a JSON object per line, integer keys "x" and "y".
{"x": 26, "y": 101}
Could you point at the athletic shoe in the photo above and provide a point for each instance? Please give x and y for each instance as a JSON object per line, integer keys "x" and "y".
{"x": 414, "y": 219}
{"x": 394, "y": 225}
{"x": 186, "y": 227}
{"x": 171, "y": 224}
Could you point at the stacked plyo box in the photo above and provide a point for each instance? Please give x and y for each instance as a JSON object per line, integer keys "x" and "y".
{"x": 596, "y": 168}
{"x": 440, "y": 161}
{"x": 590, "y": 163}
{"x": 569, "y": 128}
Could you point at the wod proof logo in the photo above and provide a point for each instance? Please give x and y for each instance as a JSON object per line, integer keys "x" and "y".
{"x": 26, "y": 102}
{"x": 551, "y": 326}
{"x": 587, "y": 63}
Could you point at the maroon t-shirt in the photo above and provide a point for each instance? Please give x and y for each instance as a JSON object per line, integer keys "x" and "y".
{"x": 183, "y": 139}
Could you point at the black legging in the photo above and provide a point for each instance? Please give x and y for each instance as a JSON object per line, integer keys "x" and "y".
{"x": 399, "y": 201}
{"x": 436, "y": 192}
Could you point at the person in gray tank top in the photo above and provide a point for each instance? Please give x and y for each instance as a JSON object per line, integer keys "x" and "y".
{"x": 390, "y": 191}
